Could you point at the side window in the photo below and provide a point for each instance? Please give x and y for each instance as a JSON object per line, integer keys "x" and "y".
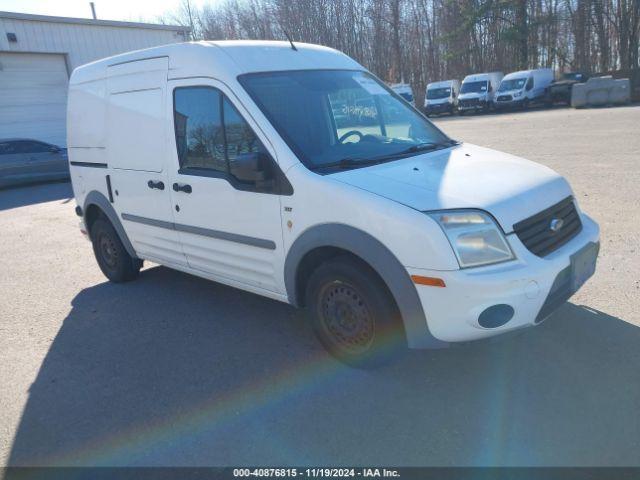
{"x": 198, "y": 124}
{"x": 530, "y": 83}
{"x": 240, "y": 137}
{"x": 37, "y": 147}
{"x": 212, "y": 135}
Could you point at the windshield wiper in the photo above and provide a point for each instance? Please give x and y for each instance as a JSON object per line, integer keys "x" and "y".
{"x": 359, "y": 161}
{"x": 419, "y": 147}
{"x": 346, "y": 163}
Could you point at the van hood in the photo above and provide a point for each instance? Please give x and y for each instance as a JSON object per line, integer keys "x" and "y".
{"x": 511, "y": 92}
{"x": 472, "y": 95}
{"x": 464, "y": 176}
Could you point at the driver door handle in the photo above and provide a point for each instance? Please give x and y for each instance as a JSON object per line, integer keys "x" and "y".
{"x": 159, "y": 185}
{"x": 186, "y": 188}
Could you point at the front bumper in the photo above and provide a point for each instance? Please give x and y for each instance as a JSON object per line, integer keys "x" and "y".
{"x": 533, "y": 286}
{"x": 471, "y": 106}
{"x": 515, "y": 103}
{"x": 439, "y": 108}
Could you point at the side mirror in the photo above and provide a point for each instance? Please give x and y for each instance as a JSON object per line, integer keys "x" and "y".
{"x": 250, "y": 167}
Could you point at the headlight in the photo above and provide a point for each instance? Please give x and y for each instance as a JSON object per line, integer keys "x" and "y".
{"x": 474, "y": 236}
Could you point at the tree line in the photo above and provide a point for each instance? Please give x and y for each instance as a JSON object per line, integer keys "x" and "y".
{"x": 420, "y": 41}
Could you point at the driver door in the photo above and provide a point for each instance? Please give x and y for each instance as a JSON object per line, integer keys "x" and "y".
{"x": 230, "y": 226}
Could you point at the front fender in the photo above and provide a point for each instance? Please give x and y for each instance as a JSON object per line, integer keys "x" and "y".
{"x": 380, "y": 258}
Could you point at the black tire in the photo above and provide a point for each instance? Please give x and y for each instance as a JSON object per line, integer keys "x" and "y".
{"x": 525, "y": 104}
{"x": 113, "y": 259}
{"x": 353, "y": 314}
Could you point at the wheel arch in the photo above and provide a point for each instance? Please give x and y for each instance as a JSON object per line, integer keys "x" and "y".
{"x": 326, "y": 240}
{"x": 96, "y": 203}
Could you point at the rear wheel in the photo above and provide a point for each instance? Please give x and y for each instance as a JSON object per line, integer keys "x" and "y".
{"x": 353, "y": 314}
{"x": 113, "y": 259}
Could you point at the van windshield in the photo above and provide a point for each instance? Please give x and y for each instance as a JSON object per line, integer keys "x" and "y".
{"x": 474, "y": 87}
{"x": 515, "y": 84}
{"x": 336, "y": 119}
{"x": 436, "y": 93}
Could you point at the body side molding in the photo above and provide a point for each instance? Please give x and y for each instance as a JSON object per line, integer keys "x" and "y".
{"x": 380, "y": 258}
{"x": 88, "y": 164}
{"x": 205, "y": 232}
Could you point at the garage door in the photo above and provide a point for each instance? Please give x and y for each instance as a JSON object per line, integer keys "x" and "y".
{"x": 33, "y": 96}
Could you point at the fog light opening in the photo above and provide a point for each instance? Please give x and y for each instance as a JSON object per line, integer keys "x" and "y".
{"x": 496, "y": 316}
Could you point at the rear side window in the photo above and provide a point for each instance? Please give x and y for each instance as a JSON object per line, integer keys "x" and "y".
{"x": 33, "y": 147}
{"x": 210, "y": 132}
{"x": 6, "y": 148}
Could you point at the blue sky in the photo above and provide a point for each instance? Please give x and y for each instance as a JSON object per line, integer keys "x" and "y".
{"x": 131, "y": 10}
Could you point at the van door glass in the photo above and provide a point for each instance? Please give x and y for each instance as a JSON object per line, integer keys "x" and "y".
{"x": 198, "y": 125}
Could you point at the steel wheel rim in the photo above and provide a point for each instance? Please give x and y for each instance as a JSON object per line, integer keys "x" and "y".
{"x": 345, "y": 318}
{"x": 108, "y": 251}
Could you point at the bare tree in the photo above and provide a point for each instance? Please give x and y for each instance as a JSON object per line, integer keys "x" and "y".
{"x": 420, "y": 41}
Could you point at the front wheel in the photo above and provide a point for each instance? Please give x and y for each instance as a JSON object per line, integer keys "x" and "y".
{"x": 353, "y": 314}
{"x": 113, "y": 259}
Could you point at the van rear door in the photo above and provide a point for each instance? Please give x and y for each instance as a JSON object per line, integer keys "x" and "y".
{"x": 136, "y": 144}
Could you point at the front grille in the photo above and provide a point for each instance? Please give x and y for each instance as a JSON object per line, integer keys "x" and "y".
{"x": 536, "y": 234}
{"x": 470, "y": 102}
{"x": 504, "y": 98}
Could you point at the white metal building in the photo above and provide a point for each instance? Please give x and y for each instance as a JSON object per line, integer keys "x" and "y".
{"x": 37, "y": 55}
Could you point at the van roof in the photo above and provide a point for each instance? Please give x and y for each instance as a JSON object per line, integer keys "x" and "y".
{"x": 441, "y": 83}
{"x": 477, "y": 77}
{"x": 223, "y": 59}
{"x": 525, "y": 73}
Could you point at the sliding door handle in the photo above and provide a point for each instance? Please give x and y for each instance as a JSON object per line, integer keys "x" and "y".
{"x": 186, "y": 188}
{"x": 158, "y": 185}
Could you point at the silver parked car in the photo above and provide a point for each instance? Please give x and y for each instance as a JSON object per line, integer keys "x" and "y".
{"x": 25, "y": 161}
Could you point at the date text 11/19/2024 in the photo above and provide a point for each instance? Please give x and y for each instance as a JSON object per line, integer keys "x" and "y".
{"x": 316, "y": 472}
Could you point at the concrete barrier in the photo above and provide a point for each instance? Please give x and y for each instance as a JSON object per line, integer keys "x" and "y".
{"x": 599, "y": 91}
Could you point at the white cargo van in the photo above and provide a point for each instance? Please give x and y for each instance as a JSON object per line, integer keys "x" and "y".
{"x": 477, "y": 92}
{"x": 441, "y": 97}
{"x": 521, "y": 89}
{"x": 298, "y": 175}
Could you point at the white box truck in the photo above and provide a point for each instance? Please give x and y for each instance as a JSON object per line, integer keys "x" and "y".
{"x": 441, "y": 97}
{"x": 523, "y": 88}
{"x": 477, "y": 92}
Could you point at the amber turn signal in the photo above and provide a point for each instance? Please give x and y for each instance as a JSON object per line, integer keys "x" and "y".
{"x": 430, "y": 281}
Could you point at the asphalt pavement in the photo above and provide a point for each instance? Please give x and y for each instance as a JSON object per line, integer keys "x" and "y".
{"x": 175, "y": 370}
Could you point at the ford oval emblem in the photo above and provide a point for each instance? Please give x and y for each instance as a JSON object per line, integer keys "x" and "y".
{"x": 556, "y": 224}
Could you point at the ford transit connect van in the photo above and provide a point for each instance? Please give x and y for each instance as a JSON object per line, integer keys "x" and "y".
{"x": 298, "y": 175}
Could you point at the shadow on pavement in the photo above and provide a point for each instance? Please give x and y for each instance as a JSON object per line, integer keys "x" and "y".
{"x": 14, "y": 197}
{"x": 174, "y": 370}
